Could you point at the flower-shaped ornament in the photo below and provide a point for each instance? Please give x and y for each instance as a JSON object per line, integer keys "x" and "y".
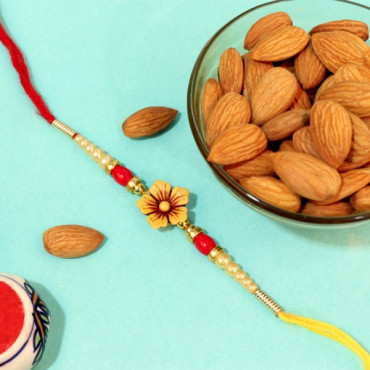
{"x": 164, "y": 205}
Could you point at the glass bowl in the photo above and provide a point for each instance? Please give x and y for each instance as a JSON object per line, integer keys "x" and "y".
{"x": 305, "y": 14}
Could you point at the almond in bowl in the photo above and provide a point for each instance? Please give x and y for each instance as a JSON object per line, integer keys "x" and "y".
{"x": 280, "y": 107}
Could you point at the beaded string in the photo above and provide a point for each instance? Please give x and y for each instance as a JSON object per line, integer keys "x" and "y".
{"x": 164, "y": 206}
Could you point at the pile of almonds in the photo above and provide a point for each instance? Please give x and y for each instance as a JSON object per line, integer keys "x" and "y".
{"x": 290, "y": 119}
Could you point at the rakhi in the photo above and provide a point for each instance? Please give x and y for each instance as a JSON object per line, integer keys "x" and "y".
{"x": 164, "y": 205}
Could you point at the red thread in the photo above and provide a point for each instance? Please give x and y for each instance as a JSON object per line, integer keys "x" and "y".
{"x": 21, "y": 67}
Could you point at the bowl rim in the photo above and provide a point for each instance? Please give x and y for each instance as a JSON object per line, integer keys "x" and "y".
{"x": 231, "y": 184}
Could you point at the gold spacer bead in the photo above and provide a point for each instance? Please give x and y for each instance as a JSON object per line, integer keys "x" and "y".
{"x": 214, "y": 253}
{"x": 110, "y": 165}
{"x": 192, "y": 231}
{"x": 135, "y": 186}
{"x": 183, "y": 225}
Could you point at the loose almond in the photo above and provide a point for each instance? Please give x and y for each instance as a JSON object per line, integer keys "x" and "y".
{"x": 361, "y": 200}
{"x": 273, "y": 191}
{"x": 331, "y": 131}
{"x": 309, "y": 70}
{"x": 352, "y": 72}
{"x": 261, "y": 165}
{"x": 330, "y": 210}
{"x": 237, "y": 143}
{"x": 302, "y": 142}
{"x": 354, "y": 96}
{"x": 352, "y": 181}
{"x": 229, "y": 110}
{"x": 230, "y": 71}
{"x": 212, "y": 91}
{"x": 253, "y": 72}
{"x": 264, "y": 25}
{"x": 358, "y": 28}
{"x": 281, "y": 43}
{"x": 306, "y": 175}
{"x": 285, "y": 124}
{"x": 148, "y": 121}
{"x": 273, "y": 95}
{"x": 337, "y": 48}
{"x": 71, "y": 241}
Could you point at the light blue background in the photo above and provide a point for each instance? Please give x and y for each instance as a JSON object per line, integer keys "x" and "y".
{"x": 148, "y": 299}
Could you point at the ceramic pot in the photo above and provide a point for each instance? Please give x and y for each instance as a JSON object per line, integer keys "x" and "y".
{"x": 24, "y": 324}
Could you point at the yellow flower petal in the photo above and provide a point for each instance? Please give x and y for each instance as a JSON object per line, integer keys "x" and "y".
{"x": 178, "y": 214}
{"x": 160, "y": 190}
{"x": 179, "y": 197}
{"x": 157, "y": 220}
{"x": 147, "y": 204}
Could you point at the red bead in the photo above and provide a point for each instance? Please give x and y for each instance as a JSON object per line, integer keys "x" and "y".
{"x": 121, "y": 174}
{"x": 204, "y": 243}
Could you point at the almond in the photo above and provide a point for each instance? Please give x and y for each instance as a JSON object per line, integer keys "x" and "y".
{"x": 360, "y": 146}
{"x": 354, "y": 96}
{"x": 237, "y": 143}
{"x": 285, "y": 124}
{"x": 328, "y": 82}
{"x": 148, "y": 121}
{"x": 273, "y": 95}
{"x": 281, "y": 43}
{"x": 230, "y": 71}
{"x": 367, "y": 58}
{"x": 71, "y": 241}
{"x": 287, "y": 146}
{"x": 272, "y": 191}
{"x": 306, "y": 175}
{"x": 361, "y": 200}
{"x": 337, "y": 48}
{"x": 229, "y": 110}
{"x": 302, "y": 142}
{"x": 309, "y": 70}
{"x": 367, "y": 121}
{"x": 261, "y": 165}
{"x": 346, "y": 166}
{"x": 253, "y": 72}
{"x": 330, "y": 210}
{"x": 212, "y": 91}
{"x": 331, "y": 131}
{"x": 352, "y": 72}
{"x": 301, "y": 100}
{"x": 352, "y": 181}
{"x": 358, "y": 28}
{"x": 264, "y": 25}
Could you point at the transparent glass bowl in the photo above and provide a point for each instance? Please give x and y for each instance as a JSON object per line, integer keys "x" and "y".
{"x": 305, "y": 14}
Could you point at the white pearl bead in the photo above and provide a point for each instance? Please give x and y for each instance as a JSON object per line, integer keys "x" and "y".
{"x": 83, "y": 143}
{"x": 250, "y": 285}
{"x": 231, "y": 268}
{"x": 222, "y": 260}
{"x": 105, "y": 160}
{"x": 97, "y": 154}
{"x": 78, "y": 139}
{"x": 239, "y": 276}
{"x": 89, "y": 148}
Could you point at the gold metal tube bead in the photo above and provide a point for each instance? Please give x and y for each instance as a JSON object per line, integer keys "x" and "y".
{"x": 268, "y": 301}
{"x": 64, "y": 128}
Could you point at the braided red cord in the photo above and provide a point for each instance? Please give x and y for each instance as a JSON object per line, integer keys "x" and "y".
{"x": 21, "y": 67}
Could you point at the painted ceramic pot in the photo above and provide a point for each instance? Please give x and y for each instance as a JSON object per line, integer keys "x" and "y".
{"x": 24, "y": 324}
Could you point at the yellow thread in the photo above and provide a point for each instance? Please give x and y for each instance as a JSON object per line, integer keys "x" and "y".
{"x": 329, "y": 331}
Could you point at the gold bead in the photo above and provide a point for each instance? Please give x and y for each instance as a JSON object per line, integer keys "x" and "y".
{"x": 214, "y": 253}
{"x": 192, "y": 231}
{"x": 110, "y": 165}
{"x": 231, "y": 268}
{"x": 222, "y": 260}
{"x": 135, "y": 186}
{"x": 183, "y": 225}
